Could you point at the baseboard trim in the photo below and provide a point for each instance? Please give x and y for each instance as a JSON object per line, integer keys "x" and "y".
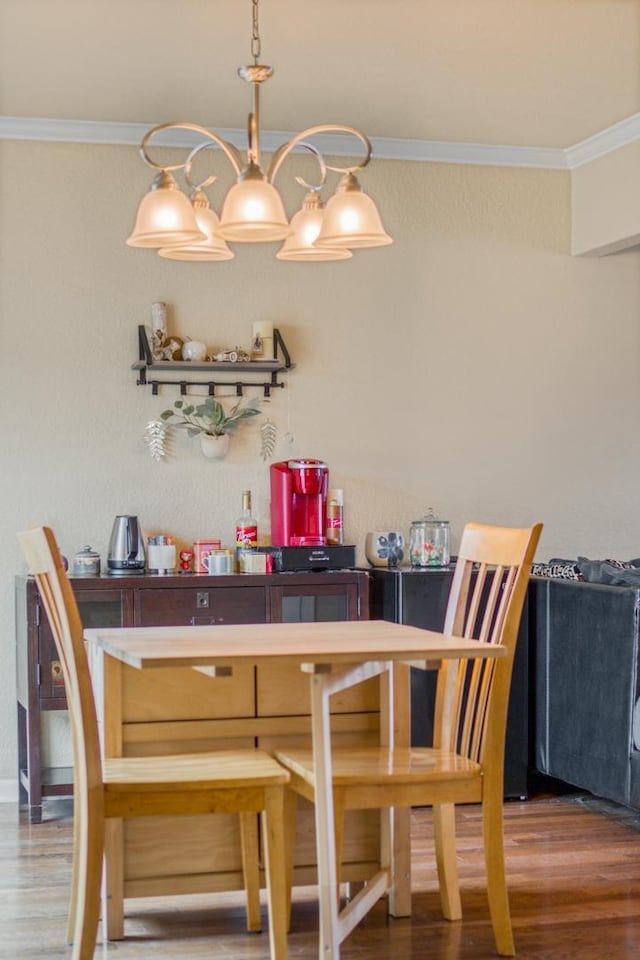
{"x": 8, "y": 791}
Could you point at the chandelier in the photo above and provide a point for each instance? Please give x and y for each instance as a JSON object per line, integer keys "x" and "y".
{"x": 185, "y": 227}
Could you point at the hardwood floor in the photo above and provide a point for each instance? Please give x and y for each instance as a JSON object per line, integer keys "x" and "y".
{"x": 574, "y": 874}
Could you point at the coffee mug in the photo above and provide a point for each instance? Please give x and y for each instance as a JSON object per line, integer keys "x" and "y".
{"x": 218, "y": 562}
{"x": 384, "y": 549}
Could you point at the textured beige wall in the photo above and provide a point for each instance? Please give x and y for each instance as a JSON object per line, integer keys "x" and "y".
{"x": 474, "y": 366}
{"x": 605, "y": 203}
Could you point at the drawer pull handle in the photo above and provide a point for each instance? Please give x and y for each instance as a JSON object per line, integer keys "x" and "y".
{"x": 206, "y": 621}
{"x": 56, "y": 672}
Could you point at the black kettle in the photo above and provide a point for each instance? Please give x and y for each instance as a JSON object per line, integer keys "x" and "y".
{"x": 126, "y": 547}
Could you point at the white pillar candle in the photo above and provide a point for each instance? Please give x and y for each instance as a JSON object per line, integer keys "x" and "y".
{"x": 158, "y": 328}
{"x": 262, "y": 340}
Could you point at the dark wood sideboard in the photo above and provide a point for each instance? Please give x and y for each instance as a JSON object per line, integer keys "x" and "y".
{"x": 154, "y": 601}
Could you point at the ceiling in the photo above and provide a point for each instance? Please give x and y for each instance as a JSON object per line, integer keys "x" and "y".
{"x": 536, "y": 73}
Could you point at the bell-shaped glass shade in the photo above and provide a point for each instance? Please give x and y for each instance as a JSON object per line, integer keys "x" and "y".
{"x": 253, "y": 212}
{"x": 351, "y": 219}
{"x": 300, "y": 244}
{"x": 165, "y": 216}
{"x": 212, "y": 247}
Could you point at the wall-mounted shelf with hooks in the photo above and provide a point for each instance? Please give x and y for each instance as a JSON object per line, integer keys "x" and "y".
{"x": 155, "y": 373}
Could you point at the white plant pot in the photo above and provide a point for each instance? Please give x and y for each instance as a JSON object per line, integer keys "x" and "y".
{"x": 215, "y": 448}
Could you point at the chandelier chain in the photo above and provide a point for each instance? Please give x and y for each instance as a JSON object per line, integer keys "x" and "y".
{"x": 255, "y": 34}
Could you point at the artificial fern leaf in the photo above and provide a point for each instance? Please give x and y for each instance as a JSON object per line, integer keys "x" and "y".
{"x": 268, "y": 437}
{"x": 155, "y": 436}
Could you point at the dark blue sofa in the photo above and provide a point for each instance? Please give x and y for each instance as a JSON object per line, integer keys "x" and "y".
{"x": 583, "y": 641}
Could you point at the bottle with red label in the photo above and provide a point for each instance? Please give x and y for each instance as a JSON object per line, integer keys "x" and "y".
{"x": 335, "y": 517}
{"x": 246, "y": 526}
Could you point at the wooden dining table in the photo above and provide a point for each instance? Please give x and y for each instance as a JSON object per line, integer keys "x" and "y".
{"x": 335, "y": 655}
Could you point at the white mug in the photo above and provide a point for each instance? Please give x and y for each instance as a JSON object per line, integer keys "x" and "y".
{"x": 218, "y": 562}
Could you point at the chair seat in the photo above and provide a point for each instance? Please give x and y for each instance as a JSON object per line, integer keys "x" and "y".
{"x": 226, "y": 769}
{"x": 372, "y": 765}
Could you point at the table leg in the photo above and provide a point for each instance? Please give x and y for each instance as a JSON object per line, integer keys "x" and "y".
{"x": 324, "y": 817}
{"x": 395, "y": 724}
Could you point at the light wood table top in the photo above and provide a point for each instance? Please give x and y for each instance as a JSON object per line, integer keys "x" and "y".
{"x": 341, "y": 642}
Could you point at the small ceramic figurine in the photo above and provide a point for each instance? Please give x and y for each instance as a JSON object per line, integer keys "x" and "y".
{"x": 237, "y": 355}
{"x": 172, "y": 348}
{"x": 186, "y": 559}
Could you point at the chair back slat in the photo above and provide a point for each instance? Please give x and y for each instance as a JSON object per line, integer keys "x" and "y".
{"x": 472, "y": 613}
{"x": 454, "y": 620}
{"x": 489, "y": 623}
{"x": 478, "y": 673}
{"x": 485, "y": 603}
{"x": 43, "y": 557}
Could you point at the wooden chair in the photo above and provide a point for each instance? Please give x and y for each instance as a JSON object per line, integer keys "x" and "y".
{"x": 466, "y": 763}
{"x": 225, "y": 781}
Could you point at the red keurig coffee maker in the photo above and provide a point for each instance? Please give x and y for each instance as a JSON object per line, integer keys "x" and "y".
{"x": 299, "y": 503}
{"x": 299, "y": 517}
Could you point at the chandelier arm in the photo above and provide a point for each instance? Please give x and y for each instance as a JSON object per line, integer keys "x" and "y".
{"x": 316, "y": 188}
{"x": 232, "y": 153}
{"x": 188, "y": 164}
{"x": 282, "y": 152}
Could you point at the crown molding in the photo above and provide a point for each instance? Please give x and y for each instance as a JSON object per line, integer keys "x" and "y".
{"x": 600, "y": 144}
{"x": 421, "y": 151}
{"x": 484, "y": 154}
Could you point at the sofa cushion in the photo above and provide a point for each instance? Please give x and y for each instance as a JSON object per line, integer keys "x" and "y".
{"x": 604, "y": 571}
{"x": 558, "y": 570}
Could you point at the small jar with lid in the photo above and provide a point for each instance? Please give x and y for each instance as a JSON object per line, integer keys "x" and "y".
{"x": 430, "y": 542}
{"x": 86, "y": 563}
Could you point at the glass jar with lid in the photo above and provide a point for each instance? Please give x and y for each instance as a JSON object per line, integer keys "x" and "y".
{"x": 429, "y": 542}
{"x": 86, "y": 563}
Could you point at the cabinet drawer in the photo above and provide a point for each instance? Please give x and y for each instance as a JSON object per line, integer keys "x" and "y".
{"x": 208, "y": 605}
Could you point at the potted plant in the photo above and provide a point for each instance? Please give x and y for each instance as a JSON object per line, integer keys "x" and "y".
{"x": 210, "y": 421}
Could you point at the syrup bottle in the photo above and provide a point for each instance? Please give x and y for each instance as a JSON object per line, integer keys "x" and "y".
{"x": 246, "y": 526}
{"x": 335, "y": 517}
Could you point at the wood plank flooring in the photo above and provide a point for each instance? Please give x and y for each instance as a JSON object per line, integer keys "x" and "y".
{"x": 574, "y": 873}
